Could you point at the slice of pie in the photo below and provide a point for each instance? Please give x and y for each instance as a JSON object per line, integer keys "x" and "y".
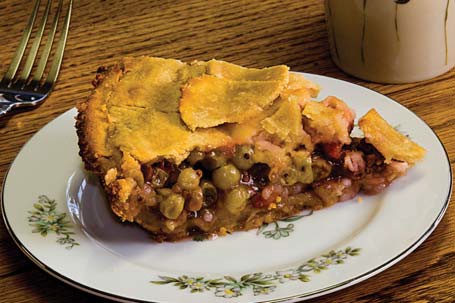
{"x": 209, "y": 148}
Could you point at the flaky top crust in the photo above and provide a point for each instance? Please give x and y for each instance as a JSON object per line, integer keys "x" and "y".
{"x": 136, "y": 109}
{"x": 388, "y": 141}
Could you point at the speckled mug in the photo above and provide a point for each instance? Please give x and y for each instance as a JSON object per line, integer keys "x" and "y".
{"x": 392, "y": 41}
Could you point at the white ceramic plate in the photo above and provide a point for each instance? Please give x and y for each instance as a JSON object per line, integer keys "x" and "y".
{"x": 290, "y": 261}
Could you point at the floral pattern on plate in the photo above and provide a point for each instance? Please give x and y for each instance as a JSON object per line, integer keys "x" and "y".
{"x": 44, "y": 219}
{"x": 277, "y": 231}
{"x": 259, "y": 283}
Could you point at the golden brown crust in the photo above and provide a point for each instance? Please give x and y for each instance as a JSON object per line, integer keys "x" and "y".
{"x": 91, "y": 123}
{"x": 327, "y": 123}
{"x": 208, "y": 101}
{"x": 229, "y": 71}
{"x": 388, "y": 141}
{"x": 286, "y": 124}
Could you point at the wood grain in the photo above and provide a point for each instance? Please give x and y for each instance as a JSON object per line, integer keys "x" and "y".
{"x": 252, "y": 33}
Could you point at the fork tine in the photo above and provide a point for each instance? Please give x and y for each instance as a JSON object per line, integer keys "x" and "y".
{"x": 36, "y": 43}
{"x": 55, "y": 67}
{"x": 48, "y": 47}
{"x": 9, "y": 75}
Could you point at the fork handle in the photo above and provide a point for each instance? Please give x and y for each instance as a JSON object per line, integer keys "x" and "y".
{"x": 5, "y": 106}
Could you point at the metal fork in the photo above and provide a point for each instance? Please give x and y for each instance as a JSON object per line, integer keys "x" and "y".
{"x": 26, "y": 90}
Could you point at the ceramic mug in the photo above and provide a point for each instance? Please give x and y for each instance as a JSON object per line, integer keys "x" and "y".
{"x": 392, "y": 41}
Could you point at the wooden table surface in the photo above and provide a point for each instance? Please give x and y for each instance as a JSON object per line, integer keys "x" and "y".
{"x": 252, "y": 33}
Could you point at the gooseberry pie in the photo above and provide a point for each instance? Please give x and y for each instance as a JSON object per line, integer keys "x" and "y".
{"x": 208, "y": 148}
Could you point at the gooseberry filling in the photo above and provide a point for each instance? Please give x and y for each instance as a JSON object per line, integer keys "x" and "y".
{"x": 227, "y": 189}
